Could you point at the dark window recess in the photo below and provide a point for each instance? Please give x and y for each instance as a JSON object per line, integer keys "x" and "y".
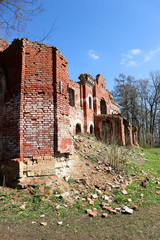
{"x": 103, "y": 108}
{"x": 91, "y": 129}
{"x": 90, "y": 103}
{"x": 78, "y": 128}
{"x": 71, "y": 97}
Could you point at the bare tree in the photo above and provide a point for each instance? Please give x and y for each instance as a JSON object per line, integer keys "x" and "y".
{"x": 126, "y": 94}
{"x": 15, "y": 13}
{"x": 154, "y": 101}
{"x": 140, "y": 104}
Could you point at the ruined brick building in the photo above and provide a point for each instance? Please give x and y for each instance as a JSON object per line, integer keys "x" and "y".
{"x": 41, "y": 108}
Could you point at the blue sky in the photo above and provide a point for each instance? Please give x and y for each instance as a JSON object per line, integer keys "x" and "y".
{"x": 102, "y": 36}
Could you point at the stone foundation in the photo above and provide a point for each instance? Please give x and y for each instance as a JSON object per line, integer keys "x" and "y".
{"x": 13, "y": 171}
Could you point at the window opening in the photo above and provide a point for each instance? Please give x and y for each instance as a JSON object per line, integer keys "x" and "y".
{"x": 91, "y": 129}
{"x": 103, "y": 108}
{"x": 71, "y": 97}
{"x": 78, "y": 128}
{"x": 90, "y": 103}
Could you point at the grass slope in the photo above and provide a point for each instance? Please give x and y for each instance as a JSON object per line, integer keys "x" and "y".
{"x": 140, "y": 167}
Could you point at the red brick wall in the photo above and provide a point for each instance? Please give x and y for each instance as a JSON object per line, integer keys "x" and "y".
{"x": 76, "y": 112}
{"x": 46, "y": 127}
{"x": 117, "y": 128}
{"x": 11, "y": 62}
{"x": 94, "y": 89}
{"x": 88, "y": 113}
{"x": 101, "y": 92}
{"x": 35, "y": 120}
{"x": 64, "y": 139}
{"x": 38, "y": 102}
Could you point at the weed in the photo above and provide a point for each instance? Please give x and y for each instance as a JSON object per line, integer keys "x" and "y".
{"x": 71, "y": 181}
{"x": 117, "y": 157}
{"x": 47, "y": 187}
{"x": 57, "y": 191}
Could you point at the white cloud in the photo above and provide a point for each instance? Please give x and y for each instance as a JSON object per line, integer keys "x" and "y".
{"x": 135, "y": 57}
{"x": 131, "y": 63}
{"x": 135, "y": 51}
{"x": 127, "y": 56}
{"x": 93, "y": 55}
{"x": 148, "y": 57}
{"x": 129, "y": 59}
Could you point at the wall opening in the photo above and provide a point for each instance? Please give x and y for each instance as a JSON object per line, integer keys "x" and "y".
{"x": 103, "y": 108}
{"x": 78, "y": 128}
{"x": 90, "y": 103}
{"x": 107, "y": 132}
{"x": 71, "y": 97}
{"x": 91, "y": 129}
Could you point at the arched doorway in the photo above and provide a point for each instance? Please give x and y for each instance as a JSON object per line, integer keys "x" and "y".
{"x": 78, "y": 128}
{"x": 103, "y": 108}
{"x": 91, "y": 129}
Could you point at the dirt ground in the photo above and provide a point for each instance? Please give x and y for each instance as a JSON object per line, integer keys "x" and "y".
{"x": 90, "y": 171}
{"x": 143, "y": 224}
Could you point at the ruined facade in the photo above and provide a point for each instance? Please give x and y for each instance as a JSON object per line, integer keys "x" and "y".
{"x": 93, "y": 110}
{"x": 40, "y": 110}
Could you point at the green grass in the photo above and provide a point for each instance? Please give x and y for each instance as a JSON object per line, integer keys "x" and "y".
{"x": 146, "y": 165}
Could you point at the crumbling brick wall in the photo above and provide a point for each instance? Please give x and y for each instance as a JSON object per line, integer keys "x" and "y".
{"x": 91, "y": 94}
{"x": 76, "y": 107}
{"x": 11, "y": 63}
{"x": 38, "y": 100}
{"x": 35, "y": 121}
{"x": 64, "y": 139}
{"x": 117, "y": 133}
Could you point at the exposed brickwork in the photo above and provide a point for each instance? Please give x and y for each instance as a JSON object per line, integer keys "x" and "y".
{"x": 41, "y": 109}
{"x": 64, "y": 141}
{"x": 96, "y": 112}
{"x": 115, "y": 135}
{"x": 34, "y": 120}
{"x": 76, "y": 112}
{"x": 11, "y": 62}
{"x": 38, "y": 101}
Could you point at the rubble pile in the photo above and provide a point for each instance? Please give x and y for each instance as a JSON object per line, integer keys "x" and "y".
{"x": 93, "y": 183}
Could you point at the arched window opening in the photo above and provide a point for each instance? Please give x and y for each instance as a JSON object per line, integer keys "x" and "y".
{"x": 91, "y": 129}
{"x": 90, "y": 103}
{"x": 78, "y": 128}
{"x": 103, "y": 108}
